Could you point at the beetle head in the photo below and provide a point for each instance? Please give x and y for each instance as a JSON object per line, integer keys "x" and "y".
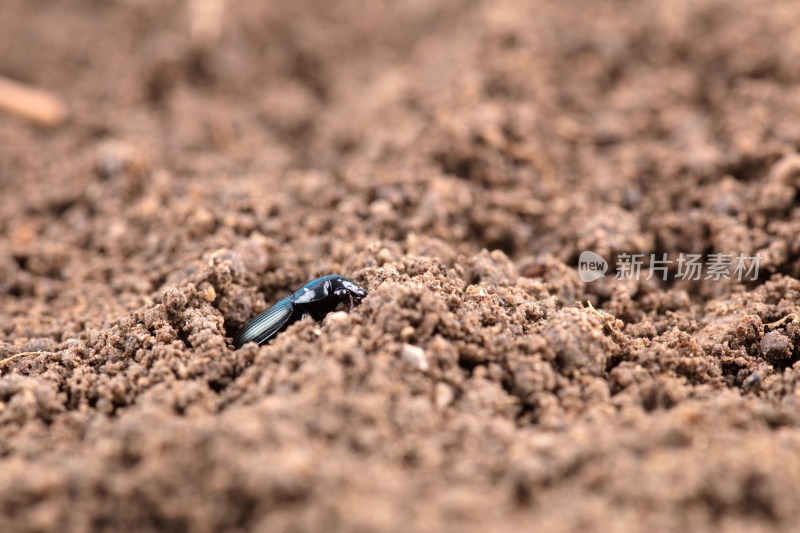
{"x": 343, "y": 287}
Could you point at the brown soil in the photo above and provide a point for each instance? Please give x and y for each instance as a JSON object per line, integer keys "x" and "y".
{"x": 199, "y": 179}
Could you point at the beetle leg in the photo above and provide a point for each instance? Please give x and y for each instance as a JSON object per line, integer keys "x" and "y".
{"x": 351, "y": 301}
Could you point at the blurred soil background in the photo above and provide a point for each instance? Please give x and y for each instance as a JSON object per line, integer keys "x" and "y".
{"x": 454, "y": 157}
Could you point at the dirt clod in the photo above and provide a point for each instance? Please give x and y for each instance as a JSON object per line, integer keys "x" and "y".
{"x": 776, "y": 348}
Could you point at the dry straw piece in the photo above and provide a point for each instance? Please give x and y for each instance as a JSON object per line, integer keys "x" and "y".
{"x": 39, "y": 106}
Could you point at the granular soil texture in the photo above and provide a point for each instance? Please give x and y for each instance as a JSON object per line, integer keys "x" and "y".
{"x": 454, "y": 158}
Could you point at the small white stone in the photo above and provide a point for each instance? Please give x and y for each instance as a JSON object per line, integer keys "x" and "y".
{"x": 414, "y": 356}
{"x": 338, "y": 316}
{"x": 444, "y": 395}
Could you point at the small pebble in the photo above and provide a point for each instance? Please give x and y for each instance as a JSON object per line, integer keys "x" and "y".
{"x": 753, "y": 381}
{"x": 414, "y": 356}
{"x": 444, "y": 395}
{"x": 407, "y": 332}
{"x": 337, "y": 316}
{"x": 206, "y": 292}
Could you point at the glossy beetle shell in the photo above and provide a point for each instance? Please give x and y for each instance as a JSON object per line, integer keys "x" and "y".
{"x": 316, "y": 298}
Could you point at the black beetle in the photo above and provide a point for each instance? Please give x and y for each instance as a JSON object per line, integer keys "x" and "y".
{"x": 317, "y": 298}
